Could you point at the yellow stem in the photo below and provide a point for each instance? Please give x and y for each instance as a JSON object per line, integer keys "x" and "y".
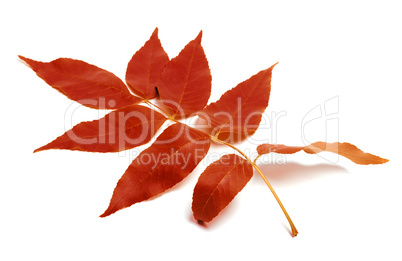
{"x": 292, "y": 226}
{"x": 171, "y": 117}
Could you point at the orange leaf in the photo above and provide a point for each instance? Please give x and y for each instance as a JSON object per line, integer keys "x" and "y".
{"x": 146, "y": 66}
{"x": 173, "y": 156}
{"x": 346, "y": 150}
{"x": 84, "y": 83}
{"x": 237, "y": 114}
{"x": 218, "y": 185}
{"x": 277, "y": 148}
{"x": 119, "y": 130}
{"x": 185, "y": 85}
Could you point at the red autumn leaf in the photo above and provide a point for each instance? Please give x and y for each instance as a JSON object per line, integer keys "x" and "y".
{"x": 218, "y": 185}
{"x": 346, "y": 150}
{"x": 84, "y": 83}
{"x": 185, "y": 84}
{"x": 146, "y": 66}
{"x": 237, "y": 114}
{"x": 173, "y": 156}
{"x": 119, "y": 130}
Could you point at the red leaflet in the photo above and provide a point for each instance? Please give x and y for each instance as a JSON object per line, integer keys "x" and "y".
{"x": 237, "y": 114}
{"x": 84, "y": 83}
{"x": 218, "y": 185}
{"x": 185, "y": 85}
{"x": 173, "y": 156}
{"x": 119, "y": 130}
{"x": 146, "y": 67}
{"x": 346, "y": 150}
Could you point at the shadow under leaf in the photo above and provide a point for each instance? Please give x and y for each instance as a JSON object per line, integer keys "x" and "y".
{"x": 292, "y": 173}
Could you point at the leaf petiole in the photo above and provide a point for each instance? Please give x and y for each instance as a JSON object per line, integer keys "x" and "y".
{"x": 256, "y": 158}
{"x": 292, "y": 226}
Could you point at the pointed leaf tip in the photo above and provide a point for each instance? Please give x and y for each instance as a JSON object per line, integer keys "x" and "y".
{"x": 155, "y": 33}
{"x": 199, "y": 37}
{"x": 38, "y": 149}
{"x": 28, "y": 62}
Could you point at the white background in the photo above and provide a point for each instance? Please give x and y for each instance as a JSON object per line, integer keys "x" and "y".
{"x": 350, "y": 50}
